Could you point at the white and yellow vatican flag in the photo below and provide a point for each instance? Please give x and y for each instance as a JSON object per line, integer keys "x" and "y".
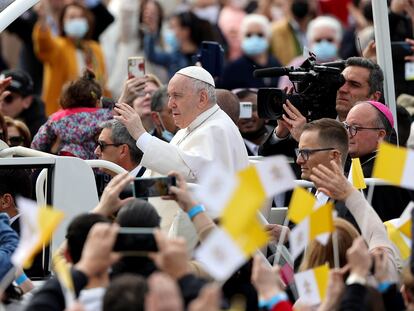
{"x": 37, "y": 225}
{"x": 62, "y": 270}
{"x": 356, "y": 175}
{"x": 220, "y": 255}
{"x": 218, "y": 188}
{"x": 301, "y": 205}
{"x": 275, "y": 175}
{"x": 312, "y": 285}
{"x": 395, "y": 165}
{"x": 399, "y": 231}
{"x": 215, "y": 188}
{"x": 318, "y": 223}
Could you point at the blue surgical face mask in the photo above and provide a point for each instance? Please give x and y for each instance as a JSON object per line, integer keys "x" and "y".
{"x": 171, "y": 39}
{"x": 166, "y": 134}
{"x": 325, "y": 50}
{"x": 76, "y": 28}
{"x": 254, "y": 45}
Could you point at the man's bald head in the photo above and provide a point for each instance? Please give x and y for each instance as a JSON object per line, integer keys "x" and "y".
{"x": 229, "y": 103}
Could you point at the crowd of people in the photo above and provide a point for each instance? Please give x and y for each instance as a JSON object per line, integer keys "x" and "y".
{"x": 68, "y": 93}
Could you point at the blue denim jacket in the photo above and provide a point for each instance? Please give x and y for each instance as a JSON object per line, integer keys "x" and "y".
{"x": 8, "y": 243}
{"x": 172, "y": 61}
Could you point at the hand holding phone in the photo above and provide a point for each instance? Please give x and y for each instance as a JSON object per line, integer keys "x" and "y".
{"x": 153, "y": 186}
{"x": 180, "y": 193}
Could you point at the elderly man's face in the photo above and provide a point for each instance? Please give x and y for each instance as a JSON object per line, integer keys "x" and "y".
{"x": 356, "y": 88}
{"x": 183, "y": 100}
{"x": 311, "y": 155}
{"x": 365, "y": 141}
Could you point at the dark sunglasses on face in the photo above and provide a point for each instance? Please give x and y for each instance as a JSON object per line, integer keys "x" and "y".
{"x": 102, "y": 145}
{"x": 251, "y": 34}
{"x": 325, "y": 39}
{"x": 15, "y": 141}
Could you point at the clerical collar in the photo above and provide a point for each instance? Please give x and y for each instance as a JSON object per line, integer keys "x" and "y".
{"x": 201, "y": 118}
{"x": 368, "y": 157}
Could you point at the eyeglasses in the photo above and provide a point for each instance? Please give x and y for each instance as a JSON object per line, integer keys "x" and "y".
{"x": 353, "y": 129}
{"x": 102, "y": 145}
{"x": 251, "y": 34}
{"x": 15, "y": 141}
{"x": 305, "y": 153}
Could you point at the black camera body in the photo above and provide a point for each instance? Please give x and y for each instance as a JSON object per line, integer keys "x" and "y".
{"x": 315, "y": 90}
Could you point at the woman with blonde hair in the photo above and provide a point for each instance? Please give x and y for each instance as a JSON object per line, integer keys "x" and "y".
{"x": 318, "y": 254}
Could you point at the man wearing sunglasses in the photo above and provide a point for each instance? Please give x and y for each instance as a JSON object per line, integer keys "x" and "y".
{"x": 19, "y": 102}
{"x": 116, "y": 145}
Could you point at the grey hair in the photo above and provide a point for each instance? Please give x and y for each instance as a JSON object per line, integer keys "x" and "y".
{"x": 325, "y": 22}
{"x": 250, "y": 19}
{"x": 159, "y": 99}
{"x": 120, "y": 135}
{"x": 199, "y": 85}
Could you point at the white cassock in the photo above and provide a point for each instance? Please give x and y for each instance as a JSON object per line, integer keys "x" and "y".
{"x": 211, "y": 137}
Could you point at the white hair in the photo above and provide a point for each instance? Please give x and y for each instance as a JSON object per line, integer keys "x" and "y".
{"x": 199, "y": 85}
{"x": 255, "y": 19}
{"x": 324, "y": 21}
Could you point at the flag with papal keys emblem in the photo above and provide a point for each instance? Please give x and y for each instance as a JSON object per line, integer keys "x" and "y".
{"x": 356, "y": 175}
{"x": 37, "y": 225}
{"x": 239, "y": 222}
{"x": 217, "y": 186}
{"x": 395, "y": 165}
{"x": 312, "y": 285}
{"x": 220, "y": 255}
{"x": 315, "y": 226}
{"x": 256, "y": 183}
{"x": 399, "y": 231}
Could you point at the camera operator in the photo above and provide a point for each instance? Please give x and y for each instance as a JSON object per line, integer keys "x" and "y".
{"x": 363, "y": 81}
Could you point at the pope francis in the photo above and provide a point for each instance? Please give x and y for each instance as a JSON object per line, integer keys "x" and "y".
{"x": 206, "y": 135}
{"x": 206, "y": 132}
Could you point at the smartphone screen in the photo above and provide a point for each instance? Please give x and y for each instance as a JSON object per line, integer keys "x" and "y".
{"x": 132, "y": 239}
{"x": 153, "y": 187}
{"x": 136, "y": 67}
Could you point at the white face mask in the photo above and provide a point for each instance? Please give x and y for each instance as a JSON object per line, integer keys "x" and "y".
{"x": 76, "y": 28}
